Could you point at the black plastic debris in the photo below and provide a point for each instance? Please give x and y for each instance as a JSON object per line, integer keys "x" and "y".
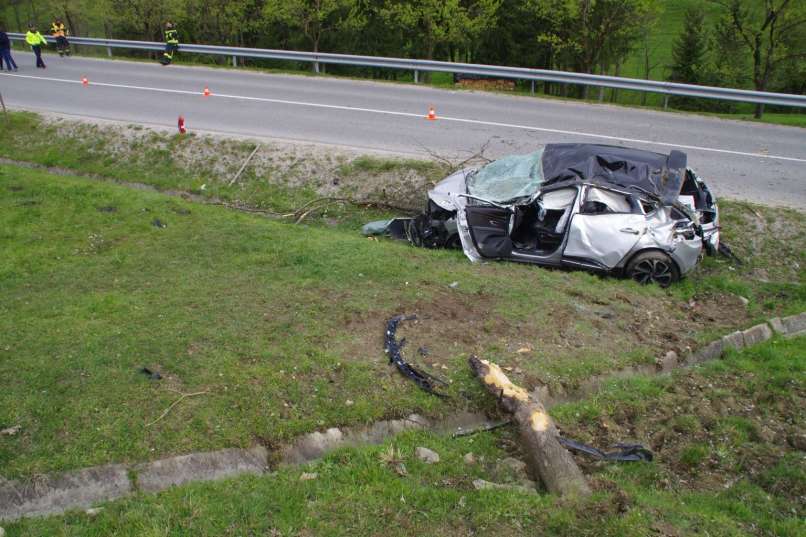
{"x": 153, "y": 375}
{"x": 159, "y": 223}
{"x": 107, "y": 209}
{"x": 422, "y": 351}
{"x": 623, "y": 453}
{"x": 725, "y": 250}
{"x": 393, "y": 348}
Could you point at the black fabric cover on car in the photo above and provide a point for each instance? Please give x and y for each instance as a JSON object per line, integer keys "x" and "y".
{"x": 655, "y": 173}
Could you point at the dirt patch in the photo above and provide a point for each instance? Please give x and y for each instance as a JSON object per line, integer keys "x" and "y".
{"x": 448, "y": 323}
{"x": 215, "y": 160}
{"x": 709, "y": 432}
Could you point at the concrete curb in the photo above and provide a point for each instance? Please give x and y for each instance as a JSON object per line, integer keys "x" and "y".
{"x": 788, "y": 327}
{"x": 47, "y": 495}
{"x": 56, "y": 493}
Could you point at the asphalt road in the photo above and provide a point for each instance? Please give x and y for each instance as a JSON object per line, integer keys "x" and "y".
{"x": 756, "y": 162}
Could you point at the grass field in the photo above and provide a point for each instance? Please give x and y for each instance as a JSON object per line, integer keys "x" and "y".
{"x": 726, "y": 464}
{"x": 280, "y": 321}
{"x": 111, "y": 266}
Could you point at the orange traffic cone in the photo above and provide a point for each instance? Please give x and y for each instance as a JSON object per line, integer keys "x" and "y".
{"x": 432, "y": 115}
{"x": 85, "y": 81}
{"x": 206, "y": 91}
{"x": 181, "y": 124}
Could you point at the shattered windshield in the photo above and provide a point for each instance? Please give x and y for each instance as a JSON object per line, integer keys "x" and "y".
{"x": 512, "y": 177}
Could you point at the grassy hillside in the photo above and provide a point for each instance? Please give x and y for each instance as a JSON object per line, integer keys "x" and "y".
{"x": 728, "y": 463}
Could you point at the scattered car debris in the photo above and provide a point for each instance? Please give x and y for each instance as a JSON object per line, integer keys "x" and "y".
{"x": 306, "y": 476}
{"x": 624, "y": 453}
{"x": 601, "y": 208}
{"x": 11, "y": 431}
{"x": 153, "y": 375}
{"x": 159, "y": 223}
{"x": 108, "y": 209}
{"x": 393, "y": 348}
{"x": 725, "y": 250}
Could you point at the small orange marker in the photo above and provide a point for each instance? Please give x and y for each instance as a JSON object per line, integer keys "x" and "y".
{"x": 206, "y": 91}
{"x": 432, "y": 115}
{"x": 85, "y": 81}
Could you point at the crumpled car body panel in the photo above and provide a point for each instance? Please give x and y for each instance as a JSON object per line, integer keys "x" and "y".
{"x": 586, "y": 206}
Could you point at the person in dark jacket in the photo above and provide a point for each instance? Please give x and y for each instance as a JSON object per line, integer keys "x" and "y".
{"x": 5, "y": 51}
{"x": 171, "y": 44}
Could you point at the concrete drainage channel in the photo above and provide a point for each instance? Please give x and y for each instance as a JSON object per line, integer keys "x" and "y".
{"x": 56, "y": 493}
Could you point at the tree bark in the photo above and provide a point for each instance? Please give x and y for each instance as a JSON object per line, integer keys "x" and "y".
{"x": 546, "y": 457}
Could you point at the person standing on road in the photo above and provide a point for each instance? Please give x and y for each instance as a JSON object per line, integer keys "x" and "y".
{"x": 35, "y": 39}
{"x": 5, "y": 51}
{"x": 59, "y": 31}
{"x": 171, "y": 44}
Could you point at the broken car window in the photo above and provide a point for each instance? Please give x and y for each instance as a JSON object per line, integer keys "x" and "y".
{"x": 507, "y": 179}
{"x": 599, "y": 201}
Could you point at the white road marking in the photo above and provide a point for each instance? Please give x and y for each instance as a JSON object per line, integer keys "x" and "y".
{"x": 409, "y": 114}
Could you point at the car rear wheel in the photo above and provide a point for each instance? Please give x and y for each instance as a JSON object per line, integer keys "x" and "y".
{"x": 653, "y": 267}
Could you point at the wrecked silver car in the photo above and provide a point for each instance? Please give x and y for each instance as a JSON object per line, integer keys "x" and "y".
{"x": 609, "y": 209}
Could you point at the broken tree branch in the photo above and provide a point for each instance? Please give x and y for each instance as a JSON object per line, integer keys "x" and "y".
{"x": 548, "y": 459}
{"x": 245, "y": 164}
{"x": 456, "y": 162}
{"x": 170, "y": 407}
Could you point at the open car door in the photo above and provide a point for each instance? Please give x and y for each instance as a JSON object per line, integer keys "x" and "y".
{"x": 490, "y": 228}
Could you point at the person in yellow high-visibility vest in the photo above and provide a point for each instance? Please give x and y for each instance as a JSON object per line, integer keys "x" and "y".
{"x": 59, "y": 31}
{"x": 35, "y": 39}
{"x": 171, "y": 44}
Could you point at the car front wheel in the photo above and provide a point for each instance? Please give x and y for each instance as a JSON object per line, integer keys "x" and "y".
{"x": 653, "y": 267}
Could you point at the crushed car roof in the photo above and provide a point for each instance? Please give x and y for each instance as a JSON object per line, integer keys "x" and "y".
{"x": 653, "y": 173}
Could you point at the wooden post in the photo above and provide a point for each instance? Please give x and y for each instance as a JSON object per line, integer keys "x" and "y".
{"x": 3, "y": 105}
{"x": 546, "y": 457}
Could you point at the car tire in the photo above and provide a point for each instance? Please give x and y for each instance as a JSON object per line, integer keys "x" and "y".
{"x": 653, "y": 267}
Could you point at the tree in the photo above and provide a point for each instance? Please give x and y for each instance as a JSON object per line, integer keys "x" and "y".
{"x": 765, "y": 26}
{"x": 590, "y": 35}
{"x": 689, "y": 49}
{"x": 314, "y": 17}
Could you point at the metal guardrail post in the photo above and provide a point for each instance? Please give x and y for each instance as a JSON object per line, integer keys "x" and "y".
{"x": 533, "y": 88}
{"x": 320, "y": 59}
{"x": 416, "y": 76}
{"x": 234, "y": 61}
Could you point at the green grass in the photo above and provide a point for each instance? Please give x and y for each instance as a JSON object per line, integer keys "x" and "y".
{"x": 283, "y": 323}
{"x": 357, "y": 492}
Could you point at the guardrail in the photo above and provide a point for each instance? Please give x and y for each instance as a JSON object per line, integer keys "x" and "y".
{"x": 493, "y": 71}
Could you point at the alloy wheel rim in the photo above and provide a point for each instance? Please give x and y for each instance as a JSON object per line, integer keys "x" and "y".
{"x": 653, "y": 271}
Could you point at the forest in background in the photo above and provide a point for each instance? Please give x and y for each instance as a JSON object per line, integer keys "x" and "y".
{"x": 753, "y": 44}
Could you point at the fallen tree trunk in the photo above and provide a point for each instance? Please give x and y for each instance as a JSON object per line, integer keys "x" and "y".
{"x": 550, "y": 461}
